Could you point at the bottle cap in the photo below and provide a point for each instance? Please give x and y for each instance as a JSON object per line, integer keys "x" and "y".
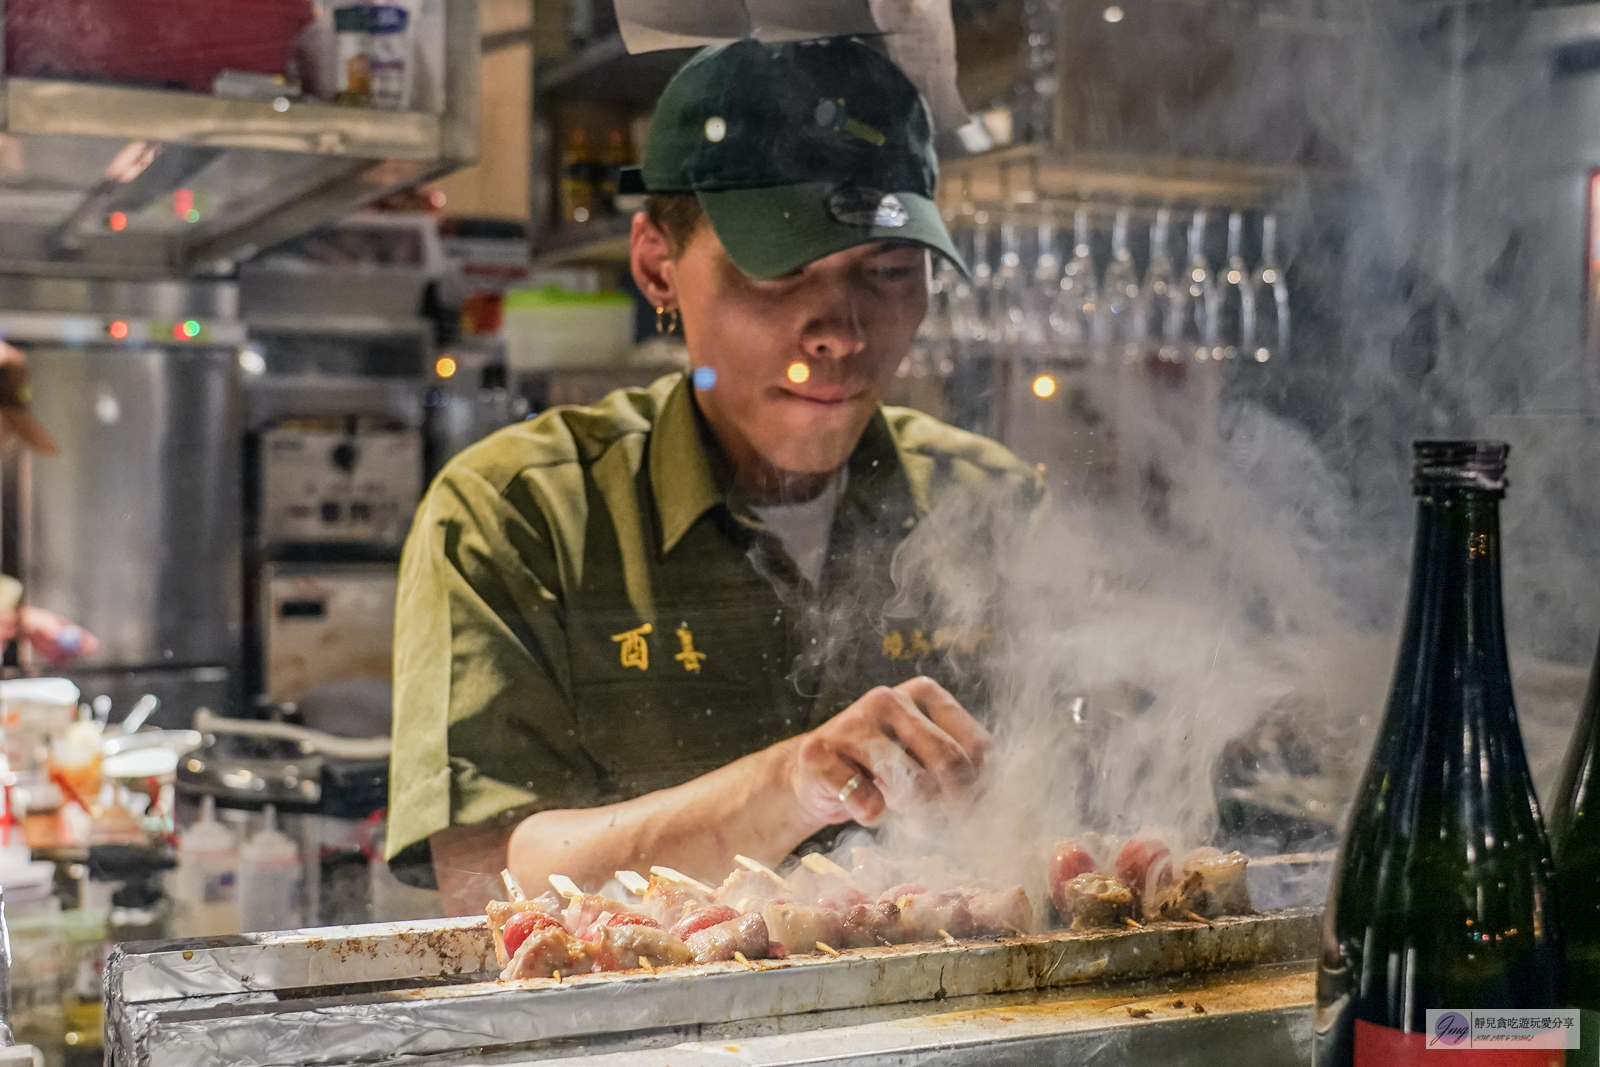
{"x": 1479, "y": 466}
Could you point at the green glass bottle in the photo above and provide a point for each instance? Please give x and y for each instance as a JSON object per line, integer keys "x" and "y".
{"x": 1575, "y": 844}
{"x": 1442, "y": 895}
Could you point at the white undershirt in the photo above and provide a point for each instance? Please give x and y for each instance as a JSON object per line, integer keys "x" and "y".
{"x": 803, "y": 528}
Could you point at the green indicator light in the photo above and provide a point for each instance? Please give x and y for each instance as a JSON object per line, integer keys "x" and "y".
{"x": 192, "y": 215}
{"x": 191, "y": 329}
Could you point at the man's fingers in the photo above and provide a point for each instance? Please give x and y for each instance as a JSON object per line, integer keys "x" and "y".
{"x": 860, "y": 797}
{"x": 945, "y": 711}
{"x": 948, "y": 764}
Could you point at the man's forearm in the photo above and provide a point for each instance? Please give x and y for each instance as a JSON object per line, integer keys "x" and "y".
{"x": 747, "y": 807}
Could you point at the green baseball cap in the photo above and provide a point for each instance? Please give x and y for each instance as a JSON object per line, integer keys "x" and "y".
{"x": 797, "y": 150}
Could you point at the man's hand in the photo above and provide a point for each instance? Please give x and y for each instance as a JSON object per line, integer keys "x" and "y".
{"x": 892, "y": 749}
{"x": 56, "y": 639}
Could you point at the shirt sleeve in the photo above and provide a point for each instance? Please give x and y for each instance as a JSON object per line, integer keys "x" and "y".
{"x": 483, "y": 718}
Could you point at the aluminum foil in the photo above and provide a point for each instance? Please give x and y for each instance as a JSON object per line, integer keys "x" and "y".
{"x": 308, "y": 1000}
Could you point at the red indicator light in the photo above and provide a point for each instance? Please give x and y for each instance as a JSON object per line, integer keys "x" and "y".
{"x": 182, "y": 201}
{"x": 178, "y": 334}
{"x": 118, "y": 330}
{"x": 117, "y": 221}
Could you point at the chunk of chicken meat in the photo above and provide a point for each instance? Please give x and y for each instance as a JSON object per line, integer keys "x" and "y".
{"x": 545, "y": 951}
{"x": 1000, "y": 912}
{"x": 1094, "y": 902}
{"x": 620, "y": 948}
{"x": 746, "y": 934}
{"x": 797, "y": 929}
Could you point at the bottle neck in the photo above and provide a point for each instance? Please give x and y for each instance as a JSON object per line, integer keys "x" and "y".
{"x": 1453, "y": 655}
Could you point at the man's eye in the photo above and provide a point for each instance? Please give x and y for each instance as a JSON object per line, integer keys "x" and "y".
{"x": 892, "y": 274}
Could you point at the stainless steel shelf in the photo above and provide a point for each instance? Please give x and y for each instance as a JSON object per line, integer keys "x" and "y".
{"x": 88, "y": 171}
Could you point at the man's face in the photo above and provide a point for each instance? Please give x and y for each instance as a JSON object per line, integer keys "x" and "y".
{"x": 801, "y": 362}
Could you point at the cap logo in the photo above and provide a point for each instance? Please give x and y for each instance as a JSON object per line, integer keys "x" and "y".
{"x": 716, "y": 128}
{"x": 832, "y": 113}
{"x": 857, "y": 206}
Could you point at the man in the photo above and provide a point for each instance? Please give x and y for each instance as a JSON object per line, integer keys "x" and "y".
{"x": 657, "y": 631}
{"x": 56, "y": 640}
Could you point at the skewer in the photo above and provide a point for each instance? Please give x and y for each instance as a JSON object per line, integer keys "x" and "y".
{"x": 1015, "y": 932}
{"x": 670, "y": 875}
{"x": 644, "y": 965}
{"x": 565, "y": 886}
{"x": 1133, "y": 924}
{"x": 757, "y": 867}
{"x": 947, "y": 938}
{"x": 829, "y": 949}
{"x": 740, "y": 956}
{"x": 817, "y": 863}
{"x": 633, "y": 882}
{"x": 513, "y": 887}
{"x": 556, "y": 975}
{"x": 1192, "y": 917}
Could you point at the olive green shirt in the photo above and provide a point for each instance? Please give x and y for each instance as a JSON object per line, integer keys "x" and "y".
{"x": 584, "y": 615}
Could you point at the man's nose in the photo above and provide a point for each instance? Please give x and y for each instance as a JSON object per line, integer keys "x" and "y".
{"x": 835, "y": 329}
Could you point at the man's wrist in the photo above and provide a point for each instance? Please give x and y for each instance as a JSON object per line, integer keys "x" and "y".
{"x": 802, "y": 823}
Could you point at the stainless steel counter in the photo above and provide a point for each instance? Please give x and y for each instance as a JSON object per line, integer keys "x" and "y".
{"x": 418, "y": 993}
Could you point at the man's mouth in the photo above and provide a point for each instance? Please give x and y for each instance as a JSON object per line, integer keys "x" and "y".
{"x": 822, "y": 397}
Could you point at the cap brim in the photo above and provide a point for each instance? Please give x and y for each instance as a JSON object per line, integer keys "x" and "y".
{"x": 776, "y": 230}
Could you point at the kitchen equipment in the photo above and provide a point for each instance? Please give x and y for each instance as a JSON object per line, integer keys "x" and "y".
{"x": 355, "y": 485}
{"x": 133, "y": 530}
{"x": 326, "y": 624}
{"x": 379, "y": 993}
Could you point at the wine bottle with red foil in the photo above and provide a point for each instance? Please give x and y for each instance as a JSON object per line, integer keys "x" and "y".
{"x": 1442, "y": 897}
{"x": 1575, "y": 844}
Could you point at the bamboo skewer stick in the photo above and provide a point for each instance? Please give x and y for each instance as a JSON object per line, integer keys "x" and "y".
{"x": 565, "y": 886}
{"x": 513, "y": 887}
{"x": 757, "y": 867}
{"x": 671, "y": 875}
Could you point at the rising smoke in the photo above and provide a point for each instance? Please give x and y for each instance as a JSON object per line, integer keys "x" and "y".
{"x": 1242, "y": 614}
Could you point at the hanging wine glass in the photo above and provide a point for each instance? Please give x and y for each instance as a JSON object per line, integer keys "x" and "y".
{"x": 1195, "y": 302}
{"x": 1233, "y": 296}
{"x": 1008, "y": 289}
{"x": 983, "y": 326}
{"x": 1046, "y": 282}
{"x": 1156, "y": 322}
{"x": 1119, "y": 295}
{"x": 936, "y": 336}
{"x": 1072, "y": 314}
{"x": 1269, "y": 303}
{"x": 966, "y": 326}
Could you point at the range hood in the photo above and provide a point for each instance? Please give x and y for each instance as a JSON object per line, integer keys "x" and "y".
{"x": 88, "y": 172}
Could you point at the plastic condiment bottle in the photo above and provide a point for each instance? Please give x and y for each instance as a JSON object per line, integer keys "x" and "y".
{"x": 269, "y": 879}
{"x": 205, "y": 885}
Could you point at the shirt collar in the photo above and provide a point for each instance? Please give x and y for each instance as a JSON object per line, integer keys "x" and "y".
{"x": 680, "y": 470}
{"x": 689, "y": 474}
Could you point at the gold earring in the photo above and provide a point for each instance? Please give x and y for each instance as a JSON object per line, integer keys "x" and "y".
{"x": 667, "y": 321}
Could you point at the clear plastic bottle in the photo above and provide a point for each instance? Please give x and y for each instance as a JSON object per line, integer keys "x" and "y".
{"x": 37, "y": 951}
{"x": 269, "y": 879}
{"x": 205, "y": 885}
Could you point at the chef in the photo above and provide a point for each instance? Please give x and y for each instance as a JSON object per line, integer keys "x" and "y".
{"x": 661, "y": 630}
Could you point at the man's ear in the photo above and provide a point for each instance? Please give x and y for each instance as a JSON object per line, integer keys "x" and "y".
{"x": 654, "y": 270}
